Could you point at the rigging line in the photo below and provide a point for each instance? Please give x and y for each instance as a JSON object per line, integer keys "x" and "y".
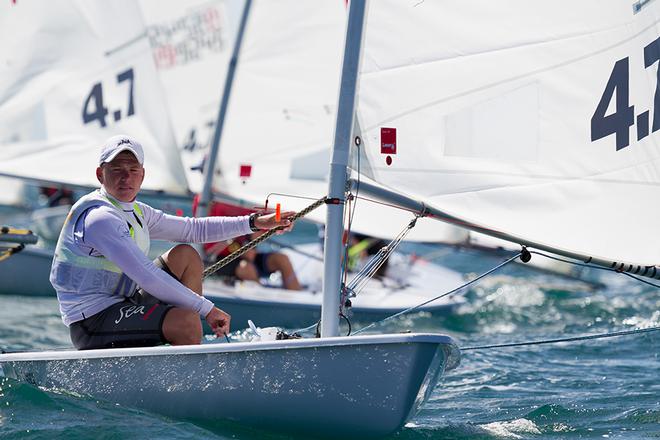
{"x": 229, "y": 258}
{"x": 307, "y": 328}
{"x": 293, "y": 248}
{"x": 388, "y": 204}
{"x": 592, "y": 266}
{"x": 354, "y": 197}
{"x": 352, "y": 204}
{"x": 373, "y": 265}
{"x": 504, "y": 263}
{"x": 570, "y": 339}
{"x": 293, "y": 196}
{"x": 376, "y": 261}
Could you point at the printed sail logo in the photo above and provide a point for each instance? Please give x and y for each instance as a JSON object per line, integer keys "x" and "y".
{"x": 187, "y": 39}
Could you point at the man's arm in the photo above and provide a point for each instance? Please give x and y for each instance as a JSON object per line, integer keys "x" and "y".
{"x": 108, "y": 234}
{"x": 207, "y": 229}
{"x": 193, "y": 230}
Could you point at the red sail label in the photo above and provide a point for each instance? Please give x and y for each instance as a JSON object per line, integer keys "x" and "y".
{"x": 387, "y": 140}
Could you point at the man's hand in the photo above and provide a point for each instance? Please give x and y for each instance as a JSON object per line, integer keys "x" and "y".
{"x": 268, "y": 221}
{"x": 218, "y": 321}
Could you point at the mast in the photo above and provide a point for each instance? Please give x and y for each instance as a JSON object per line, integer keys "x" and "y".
{"x": 209, "y": 167}
{"x": 338, "y": 169}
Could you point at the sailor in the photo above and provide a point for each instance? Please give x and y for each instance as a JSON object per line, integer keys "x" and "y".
{"x": 361, "y": 249}
{"x": 110, "y": 293}
{"x": 254, "y": 264}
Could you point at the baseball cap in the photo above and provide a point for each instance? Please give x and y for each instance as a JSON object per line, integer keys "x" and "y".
{"x": 116, "y": 144}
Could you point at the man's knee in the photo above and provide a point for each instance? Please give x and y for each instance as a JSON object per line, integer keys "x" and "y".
{"x": 182, "y": 327}
{"x": 183, "y": 257}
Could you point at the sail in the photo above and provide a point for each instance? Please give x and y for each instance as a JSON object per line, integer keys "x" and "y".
{"x": 535, "y": 119}
{"x": 73, "y": 73}
{"x": 282, "y": 105}
{"x": 191, "y": 43}
{"x": 279, "y": 126}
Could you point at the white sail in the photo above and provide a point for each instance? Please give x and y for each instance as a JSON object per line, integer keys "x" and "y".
{"x": 279, "y": 126}
{"x": 73, "y": 73}
{"x": 191, "y": 43}
{"x": 538, "y": 124}
{"x": 283, "y": 100}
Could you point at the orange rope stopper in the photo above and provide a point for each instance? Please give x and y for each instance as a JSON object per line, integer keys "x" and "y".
{"x": 278, "y": 213}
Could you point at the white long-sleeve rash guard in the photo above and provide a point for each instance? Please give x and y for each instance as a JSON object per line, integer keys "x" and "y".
{"x": 104, "y": 232}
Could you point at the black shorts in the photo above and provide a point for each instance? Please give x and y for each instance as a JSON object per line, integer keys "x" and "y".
{"x": 134, "y": 322}
{"x": 260, "y": 262}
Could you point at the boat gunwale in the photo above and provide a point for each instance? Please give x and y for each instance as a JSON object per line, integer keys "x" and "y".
{"x": 287, "y": 344}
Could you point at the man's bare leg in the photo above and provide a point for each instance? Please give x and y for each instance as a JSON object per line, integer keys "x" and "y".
{"x": 181, "y": 326}
{"x": 247, "y": 271}
{"x": 280, "y": 262}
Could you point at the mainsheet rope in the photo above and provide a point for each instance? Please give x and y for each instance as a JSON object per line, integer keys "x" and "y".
{"x": 250, "y": 245}
{"x": 568, "y": 339}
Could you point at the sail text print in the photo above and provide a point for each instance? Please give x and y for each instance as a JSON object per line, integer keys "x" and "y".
{"x": 618, "y": 88}
{"x": 94, "y": 109}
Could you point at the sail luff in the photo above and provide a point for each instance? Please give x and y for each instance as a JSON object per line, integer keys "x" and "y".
{"x": 210, "y": 163}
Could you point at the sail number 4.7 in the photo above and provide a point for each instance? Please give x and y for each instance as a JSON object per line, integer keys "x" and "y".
{"x": 93, "y": 108}
{"x": 619, "y": 122}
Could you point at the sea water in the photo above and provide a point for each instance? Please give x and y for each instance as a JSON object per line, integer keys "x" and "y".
{"x": 599, "y": 389}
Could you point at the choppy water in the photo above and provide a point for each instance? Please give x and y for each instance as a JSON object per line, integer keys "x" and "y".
{"x": 606, "y": 388}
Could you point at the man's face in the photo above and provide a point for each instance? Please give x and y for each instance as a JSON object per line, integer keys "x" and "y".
{"x": 122, "y": 177}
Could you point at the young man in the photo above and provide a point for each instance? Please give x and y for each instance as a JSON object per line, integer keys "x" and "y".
{"x": 110, "y": 293}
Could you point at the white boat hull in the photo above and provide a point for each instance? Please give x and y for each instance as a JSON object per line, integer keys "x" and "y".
{"x": 357, "y": 386}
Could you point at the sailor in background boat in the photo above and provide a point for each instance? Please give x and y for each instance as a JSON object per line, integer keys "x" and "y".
{"x": 110, "y": 293}
{"x": 362, "y": 248}
{"x": 254, "y": 264}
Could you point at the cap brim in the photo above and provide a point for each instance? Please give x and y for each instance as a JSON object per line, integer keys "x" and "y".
{"x": 116, "y": 153}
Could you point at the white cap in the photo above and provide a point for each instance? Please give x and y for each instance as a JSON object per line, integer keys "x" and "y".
{"x": 116, "y": 144}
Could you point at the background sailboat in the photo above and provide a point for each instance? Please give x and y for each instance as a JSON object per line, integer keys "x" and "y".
{"x": 58, "y": 100}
